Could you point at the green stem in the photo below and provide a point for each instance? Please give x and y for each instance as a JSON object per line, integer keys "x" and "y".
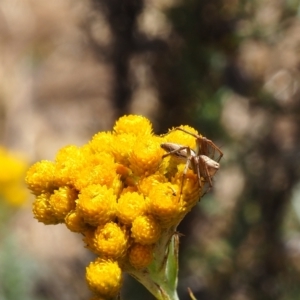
{"x": 160, "y": 278}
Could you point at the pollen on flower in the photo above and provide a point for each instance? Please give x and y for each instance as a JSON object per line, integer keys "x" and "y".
{"x": 145, "y": 230}
{"x": 140, "y": 256}
{"x": 96, "y": 204}
{"x": 111, "y": 241}
{"x": 130, "y": 205}
{"x": 104, "y": 277}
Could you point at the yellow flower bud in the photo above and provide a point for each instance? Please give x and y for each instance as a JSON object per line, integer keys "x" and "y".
{"x": 96, "y": 204}
{"x": 129, "y": 206}
{"x": 104, "y": 277}
{"x": 62, "y": 201}
{"x": 122, "y": 147}
{"x": 68, "y": 162}
{"x": 75, "y": 222}
{"x": 181, "y": 138}
{"x": 146, "y": 155}
{"x": 140, "y": 256}
{"x": 40, "y": 177}
{"x": 166, "y": 205}
{"x": 149, "y": 183}
{"x": 111, "y": 241}
{"x": 133, "y": 124}
{"x": 145, "y": 230}
{"x": 101, "y": 142}
{"x": 42, "y": 211}
{"x": 191, "y": 191}
{"x": 98, "y": 168}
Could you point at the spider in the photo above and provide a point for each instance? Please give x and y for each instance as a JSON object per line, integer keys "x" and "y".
{"x": 202, "y": 161}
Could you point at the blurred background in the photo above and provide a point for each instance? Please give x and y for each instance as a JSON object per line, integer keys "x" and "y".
{"x": 230, "y": 68}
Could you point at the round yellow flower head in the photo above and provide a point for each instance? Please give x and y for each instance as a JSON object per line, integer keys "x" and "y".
{"x": 62, "y": 201}
{"x": 75, "y": 222}
{"x": 122, "y": 147}
{"x": 42, "y": 210}
{"x": 98, "y": 168}
{"x": 111, "y": 241}
{"x": 96, "y": 204}
{"x": 104, "y": 277}
{"x": 130, "y": 205}
{"x": 68, "y": 163}
{"x": 166, "y": 205}
{"x": 181, "y": 138}
{"x": 140, "y": 256}
{"x": 133, "y": 124}
{"x": 145, "y": 230}
{"x": 40, "y": 177}
{"x": 190, "y": 187}
{"x": 146, "y": 155}
{"x": 147, "y": 184}
{"x": 102, "y": 142}
{"x": 70, "y": 152}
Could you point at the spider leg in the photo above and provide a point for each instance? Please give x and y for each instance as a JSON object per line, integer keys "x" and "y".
{"x": 192, "y": 134}
{"x": 215, "y": 148}
{"x": 203, "y": 142}
{"x": 206, "y": 175}
{"x": 176, "y": 151}
{"x": 197, "y": 170}
{"x": 181, "y": 152}
{"x": 188, "y": 162}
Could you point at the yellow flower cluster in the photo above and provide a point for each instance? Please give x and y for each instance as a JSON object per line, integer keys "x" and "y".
{"x": 119, "y": 193}
{"x": 12, "y": 170}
